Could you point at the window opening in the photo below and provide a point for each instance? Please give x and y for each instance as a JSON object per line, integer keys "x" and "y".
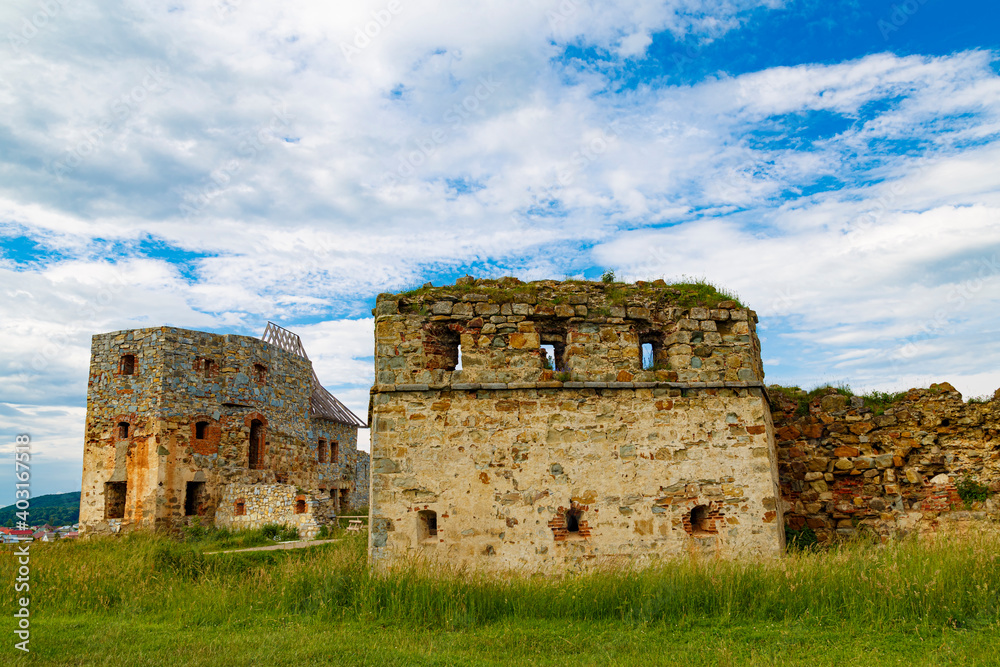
{"x": 344, "y": 494}
{"x": 442, "y": 348}
{"x": 651, "y": 350}
{"x": 260, "y": 372}
{"x": 647, "y": 356}
{"x": 128, "y": 364}
{"x": 240, "y": 507}
{"x": 428, "y": 523}
{"x": 334, "y": 452}
{"x": 458, "y": 363}
{"x": 206, "y": 367}
{"x": 572, "y": 521}
{"x": 201, "y": 430}
{"x": 122, "y": 430}
{"x": 548, "y": 357}
{"x": 114, "y": 499}
{"x": 194, "y": 499}
{"x": 256, "y": 444}
{"x": 300, "y": 506}
{"x": 322, "y": 454}
{"x": 553, "y": 352}
{"x": 702, "y": 521}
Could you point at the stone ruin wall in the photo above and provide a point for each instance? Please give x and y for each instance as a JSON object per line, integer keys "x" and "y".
{"x": 594, "y": 461}
{"x": 184, "y": 377}
{"x": 847, "y": 470}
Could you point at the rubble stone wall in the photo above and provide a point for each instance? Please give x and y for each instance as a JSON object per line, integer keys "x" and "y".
{"x": 846, "y": 468}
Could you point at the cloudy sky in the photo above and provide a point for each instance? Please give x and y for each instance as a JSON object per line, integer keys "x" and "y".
{"x": 214, "y": 165}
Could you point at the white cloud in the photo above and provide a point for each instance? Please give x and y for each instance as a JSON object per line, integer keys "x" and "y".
{"x": 460, "y": 136}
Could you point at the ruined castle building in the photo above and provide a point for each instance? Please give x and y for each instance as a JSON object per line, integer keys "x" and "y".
{"x": 565, "y": 425}
{"x": 229, "y": 430}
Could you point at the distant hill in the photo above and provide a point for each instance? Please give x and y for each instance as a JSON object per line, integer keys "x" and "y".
{"x": 55, "y": 509}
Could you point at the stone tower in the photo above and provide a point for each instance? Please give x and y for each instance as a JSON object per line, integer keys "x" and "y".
{"x": 231, "y": 430}
{"x": 557, "y": 425}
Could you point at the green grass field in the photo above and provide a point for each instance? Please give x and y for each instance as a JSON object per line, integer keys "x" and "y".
{"x": 147, "y": 600}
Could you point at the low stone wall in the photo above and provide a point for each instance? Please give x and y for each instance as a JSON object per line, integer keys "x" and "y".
{"x": 845, "y": 468}
{"x": 268, "y": 503}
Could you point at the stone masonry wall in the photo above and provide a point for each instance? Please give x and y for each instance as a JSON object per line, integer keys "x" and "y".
{"x": 845, "y": 468}
{"x": 192, "y": 401}
{"x": 503, "y": 462}
{"x": 501, "y": 326}
{"x": 264, "y": 504}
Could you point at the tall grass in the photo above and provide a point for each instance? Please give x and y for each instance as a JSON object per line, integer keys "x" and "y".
{"x": 951, "y": 581}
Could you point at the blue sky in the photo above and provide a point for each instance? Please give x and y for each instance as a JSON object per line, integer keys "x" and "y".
{"x": 217, "y": 165}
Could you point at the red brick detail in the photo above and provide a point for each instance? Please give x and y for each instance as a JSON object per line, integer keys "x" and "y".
{"x": 706, "y": 521}
{"x": 129, "y": 418}
{"x": 558, "y": 523}
{"x": 206, "y": 368}
{"x": 240, "y": 507}
{"x": 213, "y": 436}
{"x": 260, "y": 373}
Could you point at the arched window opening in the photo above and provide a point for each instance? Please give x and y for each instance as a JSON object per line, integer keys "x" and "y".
{"x": 201, "y": 430}
{"x": 240, "y": 507}
{"x": 256, "y": 444}
{"x": 322, "y": 453}
{"x": 427, "y": 524}
{"x": 123, "y": 430}
{"x": 127, "y": 364}
{"x": 300, "y": 506}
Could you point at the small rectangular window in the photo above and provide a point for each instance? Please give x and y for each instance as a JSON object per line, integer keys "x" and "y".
{"x": 240, "y": 507}
{"x": 128, "y": 364}
{"x": 123, "y": 430}
{"x": 194, "y": 499}
{"x": 114, "y": 500}
{"x": 428, "y": 526}
{"x": 260, "y": 373}
{"x": 322, "y": 452}
{"x": 647, "y": 356}
{"x": 554, "y": 356}
{"x": 207, "y": 367}
{"x": 201, "y": 430}
{"x": 335, "y": 452}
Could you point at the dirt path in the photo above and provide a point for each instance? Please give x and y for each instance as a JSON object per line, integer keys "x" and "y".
{"x": 297, "y": 544}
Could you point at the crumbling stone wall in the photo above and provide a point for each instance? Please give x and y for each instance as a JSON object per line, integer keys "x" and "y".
{"x": 506, "y": 463}
{"x": 846, "y": 468}
{"x": 196, "y": 405}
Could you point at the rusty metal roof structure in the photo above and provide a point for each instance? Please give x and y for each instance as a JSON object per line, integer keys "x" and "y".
{"x": 323, "y": 404}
